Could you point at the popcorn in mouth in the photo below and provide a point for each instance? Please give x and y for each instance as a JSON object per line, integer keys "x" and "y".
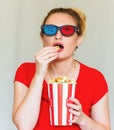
{"x": 59, "y": 47}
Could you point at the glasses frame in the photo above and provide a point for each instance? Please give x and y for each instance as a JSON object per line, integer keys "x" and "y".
{"x": 76, "y": 29}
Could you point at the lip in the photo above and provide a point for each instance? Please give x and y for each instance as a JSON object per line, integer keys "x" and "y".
{"x": 60, "y": 45}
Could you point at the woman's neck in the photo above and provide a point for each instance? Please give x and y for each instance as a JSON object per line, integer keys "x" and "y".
{"x": 62, "y": 68}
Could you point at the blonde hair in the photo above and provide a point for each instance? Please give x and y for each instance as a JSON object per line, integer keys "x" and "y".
{"x": 77, "y": 14}
{"x": 82, "y": 21}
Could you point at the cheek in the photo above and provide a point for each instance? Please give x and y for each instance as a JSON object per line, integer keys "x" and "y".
{"x": 71, "y": 45}
{"x": 72, "y": 42}
{"x": 75, "y": 42}
{"x": 46, "y": 40}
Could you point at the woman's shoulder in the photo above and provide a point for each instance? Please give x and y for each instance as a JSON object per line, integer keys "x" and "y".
{"x": 93, "y": 75}
{"x": 25, "y": 73}
{"x": 26, "y": 68}
{"x": 88, "y": 69}
{"x": 26, "y": 65}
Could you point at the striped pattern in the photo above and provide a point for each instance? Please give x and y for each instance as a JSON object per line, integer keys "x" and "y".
{"x": 58, "y": 94}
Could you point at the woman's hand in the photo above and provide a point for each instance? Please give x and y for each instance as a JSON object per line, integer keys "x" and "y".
{"x": 89, "y": 123}
{"x": 44, "y": 57}
{"x": 75, "y": 109}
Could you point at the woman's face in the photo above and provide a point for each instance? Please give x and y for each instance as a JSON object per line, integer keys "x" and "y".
{"x": 69, "y": 43}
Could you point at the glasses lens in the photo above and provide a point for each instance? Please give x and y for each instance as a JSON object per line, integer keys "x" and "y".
{"x": 49, "y": 30}
{"x": 67, "y": 30}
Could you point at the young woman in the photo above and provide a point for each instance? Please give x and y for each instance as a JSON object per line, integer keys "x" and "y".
{"x": 64, "y": 28}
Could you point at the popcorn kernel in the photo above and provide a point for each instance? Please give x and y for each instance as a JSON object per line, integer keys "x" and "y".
{"x": 63, "y": 79}
{"x": 57, "y": 47}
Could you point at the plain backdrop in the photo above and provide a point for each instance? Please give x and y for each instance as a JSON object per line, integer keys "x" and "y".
{"x": 20, "y": 22}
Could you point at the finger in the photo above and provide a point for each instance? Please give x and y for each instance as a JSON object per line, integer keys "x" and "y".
{"x": 76, "y": 101}
{"x": 45, "y": 54}
{"x": 73, "y": 120}
{"x": 50, "y": 55}
{"x": 74, "y": 106}
{"x": 76, "y": 113}
{"x": 50, "y": 58}
{"x": 46, "y": 50}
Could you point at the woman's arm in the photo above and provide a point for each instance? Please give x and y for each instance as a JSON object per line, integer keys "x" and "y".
{"x": 27, "y": 103}
{"x": 27, "y": 100}
{"x": 100, "y": 119}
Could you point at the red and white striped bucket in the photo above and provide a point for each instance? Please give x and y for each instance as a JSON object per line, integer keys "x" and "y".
{"x": 58, "y": 94}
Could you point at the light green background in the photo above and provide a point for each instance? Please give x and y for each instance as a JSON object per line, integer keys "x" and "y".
{"x": 20, "y": 22}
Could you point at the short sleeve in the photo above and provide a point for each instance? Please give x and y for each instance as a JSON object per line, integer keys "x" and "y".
{"x": 24, "y": 73}
{"x": 100, "y": 87}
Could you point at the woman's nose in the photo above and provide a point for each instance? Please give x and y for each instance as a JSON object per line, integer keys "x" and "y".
{"x": 58, "y": 35}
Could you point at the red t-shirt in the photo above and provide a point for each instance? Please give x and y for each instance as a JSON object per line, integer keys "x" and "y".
{"x": 91, "y": 87}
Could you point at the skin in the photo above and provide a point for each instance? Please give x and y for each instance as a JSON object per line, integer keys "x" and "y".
{"x": 48, "y": 58}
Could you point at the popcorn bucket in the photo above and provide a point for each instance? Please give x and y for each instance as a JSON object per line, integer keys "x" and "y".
{"x": 58, "y": 94}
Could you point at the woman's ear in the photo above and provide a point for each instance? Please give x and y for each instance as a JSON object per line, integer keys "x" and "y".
{"x": 41, "y": 35}
{"x": 79, "y": 40}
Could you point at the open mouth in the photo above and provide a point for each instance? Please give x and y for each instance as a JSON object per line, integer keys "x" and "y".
{"x": 59, "y": 46}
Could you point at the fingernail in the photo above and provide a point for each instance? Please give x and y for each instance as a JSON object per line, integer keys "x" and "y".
{"x": 69, "y": 110}
{"x": 71, "y": 97}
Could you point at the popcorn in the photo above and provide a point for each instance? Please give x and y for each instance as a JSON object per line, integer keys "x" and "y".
{"x": 57, "y": 47}
{"x": 60, "y": 90}
{"x": 62, "y": 79}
